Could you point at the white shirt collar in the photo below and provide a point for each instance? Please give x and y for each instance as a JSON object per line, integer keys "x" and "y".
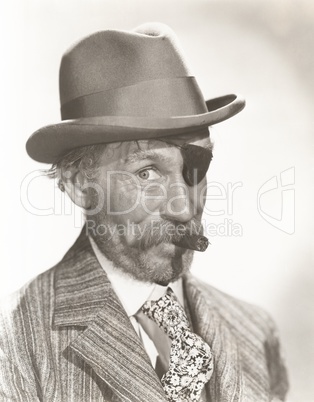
{"x": 131, "y": 292}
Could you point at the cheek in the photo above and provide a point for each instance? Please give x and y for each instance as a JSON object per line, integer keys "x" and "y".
{"x": 136, "y": 206}
{"x": 122, "y": 198}
{"x": 153, "y": 197}
{"x": 127, "y": 200}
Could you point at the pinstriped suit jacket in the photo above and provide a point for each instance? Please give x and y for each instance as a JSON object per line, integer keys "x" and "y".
{"x": 65, "y": 337}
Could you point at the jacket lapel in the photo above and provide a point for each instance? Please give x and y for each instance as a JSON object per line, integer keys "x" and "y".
{"x": 109, "y": 344}
{"x": 234, "y": 330}
{"x": 226, "y": 381}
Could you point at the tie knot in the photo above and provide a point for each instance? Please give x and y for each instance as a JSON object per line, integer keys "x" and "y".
{"x": 168, "y": 314}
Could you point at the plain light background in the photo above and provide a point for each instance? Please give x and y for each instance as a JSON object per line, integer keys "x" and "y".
{"x": 261, "y": 49}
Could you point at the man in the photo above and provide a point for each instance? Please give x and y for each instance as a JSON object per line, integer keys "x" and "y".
{"x": 120, "y": 318}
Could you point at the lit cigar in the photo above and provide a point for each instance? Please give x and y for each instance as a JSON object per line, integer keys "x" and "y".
{"x": 193, "y": 242}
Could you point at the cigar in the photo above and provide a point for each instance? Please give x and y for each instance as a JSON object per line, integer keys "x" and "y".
{"x": 193, "y": 242}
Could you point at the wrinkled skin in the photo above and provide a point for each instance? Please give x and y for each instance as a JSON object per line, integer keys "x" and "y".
{"x": 140, "y": 204}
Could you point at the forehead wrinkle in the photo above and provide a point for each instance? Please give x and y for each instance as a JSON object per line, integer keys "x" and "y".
{"x": 145, "y": 154}
{"x": 205, "y": 143}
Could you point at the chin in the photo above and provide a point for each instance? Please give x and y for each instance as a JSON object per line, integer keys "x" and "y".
{"x": 163, "y": 250}
{"x": 165, "y": 253}
{"x": 166, "y": 263}
{"x": 162, "y": 263}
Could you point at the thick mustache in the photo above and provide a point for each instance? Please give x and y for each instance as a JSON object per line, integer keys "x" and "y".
{"x": 168, "y": 232}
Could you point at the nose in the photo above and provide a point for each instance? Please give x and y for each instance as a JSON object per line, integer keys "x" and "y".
{"x": 179, "y": 203}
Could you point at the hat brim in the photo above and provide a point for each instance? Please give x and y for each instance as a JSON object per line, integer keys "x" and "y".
{"x": 49, "y": 143}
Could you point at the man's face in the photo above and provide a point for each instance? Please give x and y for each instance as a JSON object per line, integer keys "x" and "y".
{"x": 142, "y": 203}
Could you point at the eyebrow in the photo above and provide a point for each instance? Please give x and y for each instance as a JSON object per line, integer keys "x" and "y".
{"x": 202, "y": 142}
{"x": 145, "y": 154}
{"x": 140, "y": 154}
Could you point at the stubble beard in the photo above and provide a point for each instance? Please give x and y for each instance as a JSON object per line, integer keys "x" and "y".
{"x": 160, "y": 263}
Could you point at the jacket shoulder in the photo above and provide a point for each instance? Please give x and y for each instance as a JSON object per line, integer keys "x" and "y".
{"x": 37, "y": 296}
{"x": 31, "y": 300}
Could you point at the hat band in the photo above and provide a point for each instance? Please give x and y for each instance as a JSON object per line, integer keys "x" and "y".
{"x": 155, "y": 98}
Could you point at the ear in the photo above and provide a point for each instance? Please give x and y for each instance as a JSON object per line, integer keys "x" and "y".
{"x": 76, "y": 186}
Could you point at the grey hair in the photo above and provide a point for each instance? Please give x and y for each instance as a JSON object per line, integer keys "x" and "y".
{"x": 85, "y": 159}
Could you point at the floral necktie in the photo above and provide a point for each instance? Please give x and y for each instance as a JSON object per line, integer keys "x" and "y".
{"x": 191, "y": 362}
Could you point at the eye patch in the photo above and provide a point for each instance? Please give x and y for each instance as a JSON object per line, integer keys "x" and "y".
{"x": 196, "y": 161}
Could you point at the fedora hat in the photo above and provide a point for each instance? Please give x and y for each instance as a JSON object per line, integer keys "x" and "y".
{"x": 122, "y": 86}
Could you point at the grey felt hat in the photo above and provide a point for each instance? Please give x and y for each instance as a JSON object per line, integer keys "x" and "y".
{"x": 121, "y": 86}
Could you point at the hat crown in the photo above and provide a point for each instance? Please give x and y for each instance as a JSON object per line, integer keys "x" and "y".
{"x": 123, "y": 86}
{"x": 114, "y": 59}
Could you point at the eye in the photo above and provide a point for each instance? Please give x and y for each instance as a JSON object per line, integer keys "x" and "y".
{"x": 148, "y": 174}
